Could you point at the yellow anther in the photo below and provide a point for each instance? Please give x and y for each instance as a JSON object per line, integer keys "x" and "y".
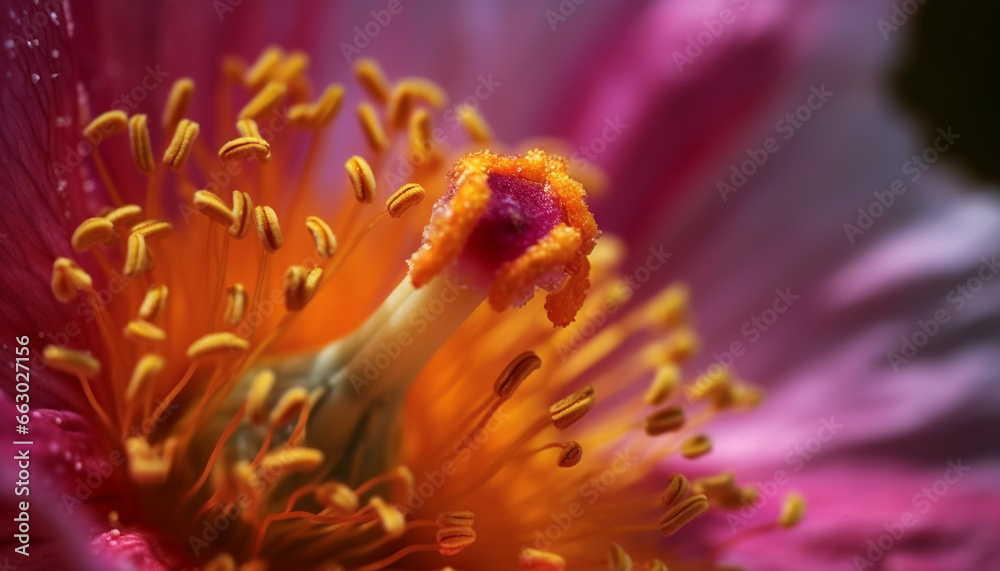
{"x": 153, "y": 229}
{"x": 91, "y": 232}
{"x": 515, "y": 372}
{"x": 72, "y": 362}
{"x": 291, "y": 459}
{"x": 681, "y": 345}
{"x": 408, "y": 195}
{"x": 289, "y": 406}
{"x": 716, "y": 486}
{"x": 181, "y": 144}
{"x": 618, "y": 558}
{"x": 138, "y": 258}
{"x": 670, "y": 307}
{"x": 144, "y": 330}
{"x": 677, "y": 488}
{"x": 215, "y": 345}
{"x": 407, "y": 93}
{"x": 372, "y": 128}
{"x": 656, "y": 565}
{"x": 68, "y": 278}
{"x": 233, "y": 68}
{"x": 665, "y": 383}
{"x": 338, "y": 496}
{"x": 268, "y": 229}
{"x": 682, "y": 512}
{"x": 572, "y": 408}
{"x": 148, "y": 367}
{"x": 323, "y": 237}
{"x": 696, "y": 446}
{"x": 709, "y": 384}
{"x": 154, "y": 302}
{"x": 372, "y": 79}
{"x": 148, "y": 464}
{"x": 125, "y": 216}
{"x": 393, "y": 520}
{"x": 212, "y": 206}
{"x": 105, "y": 125}
{"x": 242, "y": 214}
{"x": 668, "y": 419}
{"x": 320, "y": 114}
{"x": 793, "y": 510}
{"x": 242, "y": 148}
{"x": 221, "y": 562}
{"x": 142, "y": 147}
{"x": 570, "y": 455}
{"x": 292, "y": 68}
{"x": 451, "y": 540}
{"x": 420, "y": 132}
{"x": 474, "y": 123}
{"x": 258, "y": 73}
{"x": 178, "y": 102}
{"x": 538, "y": 560}
{"x": 362, "y": 179}
{"x": 299, "y": 288}
{"x": 236, "y": 304}
{"x": 260, "y": 391}
{"x": 266, "y": 99}
{"x": 456, "y": 519}
{"x": 248, "y": 128}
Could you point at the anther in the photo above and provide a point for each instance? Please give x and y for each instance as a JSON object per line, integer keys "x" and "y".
{"x": 268, "y": 229}
{"x": 515, "y": 372}
{"x": 146, "y": 464}
{"x": 696, "y": 446}
{"x": 105, "y": 125}
{"x": 154, "y": 302}
{"x": 72, "y": 362}
{"x": 139, "y": 329}
{"x": 91, "y": 232}
{"x": 323, "y": 237}
{"x": 792, "y": 511}
{"x": 266, "y": 99}
{"x": 474, "y": 124}
{"x": 456, "y": 519}
{"x": 153, "y": 229}
{"x": 665, "y": 382}
{"x": 572, "y": 408}
{"x": 671, "y": 306}
{"x": 221, "y": 562}
{"x": 248, "y": 128}
{"x": 320, "y": 114}
{"x": 142, "y": 148}
{"x": 407, "y": 92}
{"x": 683, "y": 512}
{"x": 420, "y": 132}
{"x": 668, "y": 419}
{"x": 242, "y": 213}
{"x": 570, "y": 455}
{"x": 260, "y": 390}
{"x": 236, "y": 304}
{"x": 657, "y": 565}
{"x": 258, "y": 73}
{"x": 292, "y": 68}
{"x": 715, "y": 486}
{"x": 618, "y": 558}
{"x": 148, "y": 367}
{"x": 372, "y": 79}
{"x": 681, "y": 345}
{"x": 216, "y": 344}
{"x": 338, "y": 496}
{"x": 68, "y": 278}
{"x": 138, "y": 258}
{"x": 677, "y": 488}
{"x": 125, "y": 216}
{"x": 372, "y": 128}
{"x": 451, "y": 540}
{"x": 299, "y": 289}
{"x": 393, "y": 520}
{"x": 288, "y": 407}
{"x": 242, "y": 148}
{"x": 181, "y": 144}
{"x": 362, "y": 179}
{"x": 178, "y": 102}
{"x": 212, "y": 206}
{"x": 538, "y": 560}
{"x": 408, "y": 195}
{"x": 291, "y": 459}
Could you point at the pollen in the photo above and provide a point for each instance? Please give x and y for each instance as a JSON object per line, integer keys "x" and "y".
{"x": 125, "y": 216}
{"x": 178, "y": 102}
{"x": 669, "y": 419}
{"x": 181, "y": 144}
{"x": 362, "y": 179}
{"x": 138, "y": 258}
{"x": 677, "y": 488}
{"x": 153, "y": 303}
{"x": 696, "y": 446}
{"x": 268, "y": 229}
{"x": 145, "y": 370}
{"x": 92, "y": 232}
{"x": 212, "y": 206}
{"x": 142, "y": 148}
{"x": 144, "y": 330}
{"x": 408, "y": 196}
{"x": 243, "y": 211}
{"x": 105, "y": 125}
{"x": 322, "y": 235}
{"x": 451, "y": 540}
{"x": 68, "y": 278}
{"x": 682, "y": 513}
{"x": 570, "y": 455}
{"x": 241, "y": 148}
{"x": 236, "y": 304}
{"x": 571, "y": 409}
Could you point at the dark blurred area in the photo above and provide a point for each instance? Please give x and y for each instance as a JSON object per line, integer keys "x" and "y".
{"x": 950, "y": 76}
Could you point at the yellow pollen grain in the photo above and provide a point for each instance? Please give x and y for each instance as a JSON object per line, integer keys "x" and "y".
{"x": 537, "y": 560}
{"x": 618, "y": 558}
{"x": 178, "y": 101}
{"x": 291, "y": 459}
{"x": 372, "y": 127}
{"x": 677, "y": 488}
{"x": 181, "y": 144}
{"x": 663, "y": 386}
{"x": 451, "y": 540}
{"x": 154, "y": 302}
{"x": 696, "y": 446}
{"x": 372, "y": 79}
{"x": 259, "y": 72}
{"x": 105, "y": 125}
{"x": 268, "y": 229}
{"x": 91, "y": 232}
{"x": 138, "y": 258}
{"x": 408, "y": 195}
{"x": 72, "y": 362}
{"x": 668, "y": 419}
{"x": 792, "y": 511}
{"x": 572, "y": 408}
{"x": 570, "y": 455}
{"x": 125, "y": 216}
{"x": 242, "y": 213}
{"x": 338, "y": 496}
{"x": 212, "y": 206}
{"x": 420, "y": 132}
{"x": 153, "y": 229}
{"x": 236, "y": 304}
{"x": 260, "y": 390}
{"x": 138, "y": 329}
{"x": 323, "y": 236}
{"x": 683, "y": 512}
{"x": 393, "y": 520}
{"x": 289, "y": 406}
{"x": 68, "y": 278}
{"x": 515, "y": 373}
{"x": 142, "y": 147}
{"x": 272, "y": 95}
{"x": 362, "y": 179}
{"x": 456, "y": 519}
{"x": 474, "y": 123}
{"x": 148, "y": 367}
{"x": 216, "y": 345}
{"x": 242, "y": 148}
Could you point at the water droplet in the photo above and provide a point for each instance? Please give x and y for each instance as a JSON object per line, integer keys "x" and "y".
{"x": 55, "y": 53}
{"x": 35, "y": 77}
{"x": 89, "y": 185}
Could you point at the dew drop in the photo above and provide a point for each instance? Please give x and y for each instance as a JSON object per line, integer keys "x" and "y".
{"x": 34, "y": 78}
{"x": 89, "y": 185}
{"x": 55, "y": 53}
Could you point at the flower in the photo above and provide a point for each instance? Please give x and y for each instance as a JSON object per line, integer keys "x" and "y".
{"x": 193, "y": 449}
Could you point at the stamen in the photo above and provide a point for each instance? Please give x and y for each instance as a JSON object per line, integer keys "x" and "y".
{"x": 139, "y": 329}
{"x": 362, "y": 179}
{"x": 138, "y": 258}
{"x": 320, "y": 114}
{"x": 236, "y": 304}
{"x": 178, "y": 102}
{"x": 260, "y": 390}
{"x": 405, "y": 95}
{"x": 665, "y": 383}
{"x": 696, "y": 446}
{"x": 153, "y": 229}
{"x": 372, "y": 79}
{"x": 618, "y": 558}
{"x": 72, "y": 362}
{"x": 292, "y": 69}
{"x": 285, "y": 460}
{"x": 681, "y": 513}
{"x": 337, "y": 496}
{"x": 456, "y": 519}
{"x": 142, "y": 147}
{"x": 68, "y": 278}
{"x": 181, "y": 144}
{"x": 242, "y": 212}
{"x": 538, "y": 560}
{"x": 657, "y": 565}
{"x": 300, "y": 286}
{"x": 393, "y": 520}
{"x": 261, "y": 69}
{"x": 676, "y": 489}
{"x": 268, "y": 229}
{"x": 288, "y": 406}
{"x": 408, "y": 195}
{"x": 248, "y": 128}
{"x": 323, "y": 237}
{"x": 125, "y": 216}
{"x": 154, "y": 302}
{"x": 372, "y": 128}
{"x": 572, "y": 408}
{"x": 105, "y": 125}
{"x": 451, "y": 540}
{"x": 420, "y": 132}
{"x": 216, "y": 344}
{"x": 212, "y": 206}
{"x": 148, "y": 465}
{"x": 266, "y": 99}
{"x": 92, "y": 232}
{"x": 148, "y": 367}
{"x": 668, "y": 419}
{"x": 245, "y": 148}
{"x": 515, "y": 373}
{"x": 670, "y": 308}
{"x": 570, "y": 455}
{"x": 474, "y": 124}
{"x": 792, "y": 511}
{"x": 221, "y": 562}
